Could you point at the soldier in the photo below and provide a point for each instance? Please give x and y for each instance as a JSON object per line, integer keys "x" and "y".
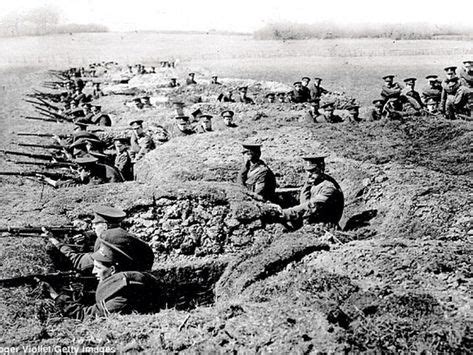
{"x": 298, "y": 94}
{"x": 466, "y": 74}
{"x": 433, "y": 90}
{"x": 90, "y": 172}
{"x": 179, "y": 107}
{"x": 99, "y": 118}
{"x": 242, "y": 91}
{"x": 328, "y": 116}
{"x": 195, "y": 115}
{"x": 397, "y": 108}
{"x": 205, "y": 124}
{"x": 390, "y": 88}
{"x": 410, "y": 90}
{"x": 354, "y": 114}
{"x": 97, "y": 91}
{"x": 321, "y": 198}
{"x": 227, "y": 117}
{"x": 122, "y": 286}
{"x": 376, "y": 113}
{"x": 456, "y": 98}
{"x": 214, "y": 80}
{"x": 182, "y": 128}
{"x": 305, "y": 87}
{"x": 270, "y": 97}
{"x": 190, "y": 79}
{"x": 431, "y": 108}
{"x": 123, "y": 161}
{"x": 316, "y": 91}
{"x": 226, "y": 97}
{"x": 255, "y": 175}
{"x": 141, "y": 142}
{"x": 146, "y": 102}
{"x": 313, "y": 113}
{"x": 158, "y": 133}
{"x": 281, "y": 97}
{"x": 173, "y": 83}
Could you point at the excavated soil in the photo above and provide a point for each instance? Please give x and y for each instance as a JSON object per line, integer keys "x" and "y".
{"x": 397, "y": 278}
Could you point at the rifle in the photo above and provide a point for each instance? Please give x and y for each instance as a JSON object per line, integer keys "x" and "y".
{"x": 47, "y": 104}
{"x": 51, "y": 278}
{"x": 49, "y": 135}
{"x": 40, "y": 119}
{"x": 45, "y": 146}
{"x": 29, "y": 155}
{"x": 46, "y": 165}
{"x": 38, "y": 230}
{"x": 55, "y": 176}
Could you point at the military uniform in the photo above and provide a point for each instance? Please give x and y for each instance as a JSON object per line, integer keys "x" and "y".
{"x": 390, "y": 90}
{"x": 316, "y": 91}
{"x": 257, "y": 177}
{"x": 101, "y": 119}
{"x": 328, "y": 118}
{"x": 319, "y": 202}
{"x": 124, "y": 165}
{"x": 141, "y": 145}
{"x": 245, "y": 100}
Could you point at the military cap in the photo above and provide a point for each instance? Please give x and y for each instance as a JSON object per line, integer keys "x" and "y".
{"x": 378, "y": 102}
{"x": 214, "y": 76}
{"x": 243, "y": 88}
{"x": 314, "y": 162}
{"x": 297, "y": 83}
{"x": 305, "y": 78}
{"x": 353, "y": 107}
{"x": 196, "y": 112}
{"x": 178, "y": 103}
{"x": 191, "y": 74}
{"x": 410, "y": 80}
{"x": 251, "y": 147}
{"x": 108, "y": 214}
{"x": 227, "y": 113}
{"x": 432, "y": 77}
{"x": 468, "y": 62}
{"x": 88, "y": 159}
{"x": 328, "y": 105}
{"x": 119, "y": 246}
{"x": 173, "y": 79}
{"x": 317, "y": 78}
{"x": 451, "y": 68}
{"x": 135, "y": 122}
{"x": 122, "y": 140}
{"x": 281, "y": 94}
{"x": 206, "y": 117}
{"x": 98, "y": 107}
{"x": 182, "y": 119}
{"x": 388, "y": 76}
{"x": 84, "y": 140}
{"x": 270, "y": 94}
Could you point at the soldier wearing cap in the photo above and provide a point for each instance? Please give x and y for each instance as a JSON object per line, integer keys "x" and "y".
{"x": 97, "y": 91}
{"x": 190, "y": 79}
{"x": 316, "y": 91}
{"x": 123, "y": 287}
{"x": 455, "y": 99}
{"x": 313, "y": 112}
{"x": 409, "y": 90}
{"x": 105, "y": 218}
{"x": 205, "y": 124}
{"x": 270, "y": 97}
{"x": 226, "y": 97}
{"x": 99, "y": 118}
{"x": 354, "y": 113}
{"x": 390, "y": 88}
{"x": 298, "y": 94}
{"x": 433, "y": 90}
{"x": 376, "y": 113}
{"x": 431, "y": 108}
{"x": 122, "y": 160}
{"x": 466, "y": 74}
{"x": 141, "y": 142}
{"x": 243, "y": 91}
{"x": 255, "y": 175}
{"x": 281, "y": 97}
{"x": 173, "y": 83}
{"x": 146, "y": 102}
{"x": 214, "y": 80}
{"x": 328, "y": 116}
{"x": 196, "y": 115}
{"x": 305, "y": 87}
{"x": 158, "y": 133}
{"x": 182, "y": 128}
{"x": 321, "y": 198}
{"x": 227, "y": 117}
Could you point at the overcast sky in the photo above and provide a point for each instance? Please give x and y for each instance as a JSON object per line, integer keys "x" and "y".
{"x": 245, "y": 15}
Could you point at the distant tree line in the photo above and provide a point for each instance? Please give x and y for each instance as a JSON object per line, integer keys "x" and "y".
{"x": 41, "y": 21}
{"x": 325, "y": 30}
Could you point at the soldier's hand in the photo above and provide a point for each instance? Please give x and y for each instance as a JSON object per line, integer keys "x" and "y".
{"x": 47, "y": 289}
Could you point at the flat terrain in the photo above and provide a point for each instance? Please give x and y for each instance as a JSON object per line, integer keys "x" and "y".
{"x": 399, "y": 281}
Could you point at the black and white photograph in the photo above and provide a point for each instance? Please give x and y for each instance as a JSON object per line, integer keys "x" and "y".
{"x": 245, "y": 177}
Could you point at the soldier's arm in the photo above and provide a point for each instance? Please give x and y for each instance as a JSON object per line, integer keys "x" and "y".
{"x": 121, "y": 161}
{"x": 146, "y": 145}
{"x": 322, "y": 195}
{"x": 80, "y": 261}
{"x": 243, "y": 175}
{"x": 305, "y": 193}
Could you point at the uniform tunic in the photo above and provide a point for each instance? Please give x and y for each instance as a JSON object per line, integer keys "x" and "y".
{"x": 258, "y": 178}
{"x": 245, "y": 100}
{"x": 122, "y": 293}
{"x": 324, "y": 119}
{"x": 141, "y": 145}
{"x": 321, "y": 202}
{"x": 124, "y": 165}
{"x": 391, "y": 91}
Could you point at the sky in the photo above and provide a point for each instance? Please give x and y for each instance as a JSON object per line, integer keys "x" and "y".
{"x": 245, "y": 15}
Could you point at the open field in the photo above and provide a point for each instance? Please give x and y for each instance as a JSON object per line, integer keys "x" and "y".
{"x": 400, "y": 281}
